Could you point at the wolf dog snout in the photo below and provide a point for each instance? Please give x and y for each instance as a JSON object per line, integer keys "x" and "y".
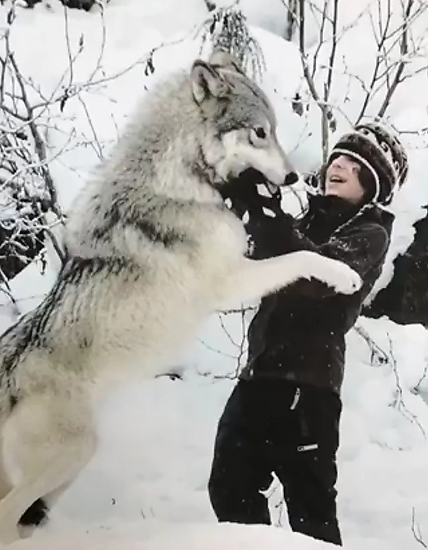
{"x": 291, "y": 178}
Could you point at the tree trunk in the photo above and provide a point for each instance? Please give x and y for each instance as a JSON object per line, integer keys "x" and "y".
{"x": 292, "y": 18}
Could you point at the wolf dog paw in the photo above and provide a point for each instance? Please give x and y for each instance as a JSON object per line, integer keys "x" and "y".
{"x": 341, "y": 277}
{"x": 334, "y": 273}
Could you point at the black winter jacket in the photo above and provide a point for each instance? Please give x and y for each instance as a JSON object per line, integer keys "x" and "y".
{"x": 299, "y": 332}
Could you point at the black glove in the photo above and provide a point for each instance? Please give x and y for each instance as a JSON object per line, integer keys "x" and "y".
{"x": 268, "y": 226}
{"x": 312, "y": 182}
{"x": 245, "y": 197}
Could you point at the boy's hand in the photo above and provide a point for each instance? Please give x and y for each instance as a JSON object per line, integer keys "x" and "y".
{"x": 269, "y": 228}
{"x": 250, "y": 198}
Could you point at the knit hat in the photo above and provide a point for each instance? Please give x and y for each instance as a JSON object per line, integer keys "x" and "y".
{"x": 381, "y": 152}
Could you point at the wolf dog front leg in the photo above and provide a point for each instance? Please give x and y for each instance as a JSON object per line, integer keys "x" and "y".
{"x": 50, "y": 439}
{"x": 256, "y": 278}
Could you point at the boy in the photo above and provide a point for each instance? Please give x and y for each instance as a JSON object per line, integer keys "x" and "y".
{"x": 283, "y": 415}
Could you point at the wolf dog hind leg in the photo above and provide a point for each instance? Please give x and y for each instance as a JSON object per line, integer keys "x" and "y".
{"x": 37, "y": 514}
{"x": 50, "y": 444}
{"x": 5, "y": 482}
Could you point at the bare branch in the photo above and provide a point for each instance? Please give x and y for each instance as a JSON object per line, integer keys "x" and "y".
{"x": 387, "y": 73}
{"x": 39, "y": 143}
{"x": 215, "y": 350}
{"x": 333, "y": 51}
{"x": 404, "y": 49}
{"x": 95, "y": 143}
{"x": 292, "y": 8}
{"x": 327, "y": 118}
{"x": 398, "y": 402}
{"x": 378, "y": 355}
{"x": 375, "y": 75}
{"x": 320, "y": 39}
{"x": 416, "y": 530}
{"x": 422, "y": 378}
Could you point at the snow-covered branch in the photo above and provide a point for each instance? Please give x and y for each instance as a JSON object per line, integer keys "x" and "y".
{"x": 321, "y": 98}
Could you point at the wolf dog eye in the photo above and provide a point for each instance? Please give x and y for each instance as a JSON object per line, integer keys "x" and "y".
{"x": 257, "y": 135}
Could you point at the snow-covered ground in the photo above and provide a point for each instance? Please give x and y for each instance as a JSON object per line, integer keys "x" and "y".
{"x": 146, "y": 488}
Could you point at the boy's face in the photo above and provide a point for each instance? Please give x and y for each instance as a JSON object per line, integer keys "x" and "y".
{"x": 342, "y": 180}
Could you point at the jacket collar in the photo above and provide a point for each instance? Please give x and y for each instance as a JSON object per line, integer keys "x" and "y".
{"x": 326, "y": 215}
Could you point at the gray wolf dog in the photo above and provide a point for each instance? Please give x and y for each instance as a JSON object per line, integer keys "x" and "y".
{"x": 152, "y": 252}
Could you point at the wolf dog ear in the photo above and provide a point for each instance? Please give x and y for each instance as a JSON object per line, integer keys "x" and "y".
{"x": 224, "y": 60}
{"x": 206, "y": 81}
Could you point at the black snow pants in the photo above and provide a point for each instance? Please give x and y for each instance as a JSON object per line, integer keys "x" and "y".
{"x": 289, "y": 429}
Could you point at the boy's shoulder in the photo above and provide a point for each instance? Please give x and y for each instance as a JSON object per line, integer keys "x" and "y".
{"x": 374, "y": 220}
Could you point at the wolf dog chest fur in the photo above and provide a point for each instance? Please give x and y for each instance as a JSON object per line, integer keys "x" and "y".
{"x": 159, "y": 290}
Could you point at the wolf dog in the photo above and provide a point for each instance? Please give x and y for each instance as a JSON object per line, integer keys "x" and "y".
{"x": 152, "y": 251}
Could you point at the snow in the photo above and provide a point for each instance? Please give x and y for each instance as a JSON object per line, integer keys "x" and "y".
{"x": 147, "y": 485}
{"x": 193, "y": 537}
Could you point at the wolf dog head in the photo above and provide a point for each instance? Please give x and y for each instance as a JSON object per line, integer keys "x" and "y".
{"x": 193, "y": 132}
{"x": 240, "y": 120}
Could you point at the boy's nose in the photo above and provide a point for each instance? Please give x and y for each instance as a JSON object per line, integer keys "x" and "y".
{"x": 338, "y": 162}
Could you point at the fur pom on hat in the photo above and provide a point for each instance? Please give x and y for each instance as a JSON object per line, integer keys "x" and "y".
{"x": 381, "y": 152}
